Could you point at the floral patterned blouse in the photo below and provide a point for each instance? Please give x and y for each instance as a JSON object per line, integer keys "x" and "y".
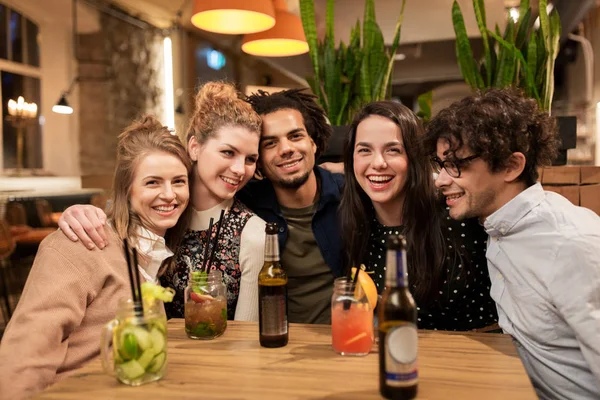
{"x": 239, "y": 266}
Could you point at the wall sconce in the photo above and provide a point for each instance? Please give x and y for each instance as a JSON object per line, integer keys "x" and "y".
{"x": 20, "y": 114}
{"x": 62, "y": 106}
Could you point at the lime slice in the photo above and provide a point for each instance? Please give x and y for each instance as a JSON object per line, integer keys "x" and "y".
{"x": 132, "y": 369}
{"x": 129, "y": 346}
{"x": 146, "y": 357}
{"x": 158, "y": 341}
{"x": 157, "y": 362}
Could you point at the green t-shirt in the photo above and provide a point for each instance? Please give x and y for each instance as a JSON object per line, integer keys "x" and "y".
{"x": 310, "y": 280}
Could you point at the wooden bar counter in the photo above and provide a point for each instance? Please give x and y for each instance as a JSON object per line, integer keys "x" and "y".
{"x": 234, "y": 366}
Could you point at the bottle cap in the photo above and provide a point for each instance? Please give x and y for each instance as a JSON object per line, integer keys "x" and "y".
{"x": 271, "y": 228}
{"x": 396, "y": 242}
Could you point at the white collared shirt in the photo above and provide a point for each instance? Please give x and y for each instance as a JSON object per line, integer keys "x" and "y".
{"x": 153, "y": 249}
{"x": 544, "y": 263}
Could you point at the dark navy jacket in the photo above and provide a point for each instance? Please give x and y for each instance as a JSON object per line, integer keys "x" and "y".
{"x": 260, "y": 197}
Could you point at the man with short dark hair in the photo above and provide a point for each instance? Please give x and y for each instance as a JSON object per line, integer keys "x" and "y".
{"x": 543, "y": 252}
{"x": 301, "y": 197}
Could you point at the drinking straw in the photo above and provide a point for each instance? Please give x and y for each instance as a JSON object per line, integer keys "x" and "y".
{"x": 216, "y": 241}
{"x": 208, "y": 240}
{"x": 134, "y": 280}
{"x": 139, "y": 307}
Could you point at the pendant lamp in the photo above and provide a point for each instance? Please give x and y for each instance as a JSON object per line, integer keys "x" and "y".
{"x": 233, "y": 17}
{"x": 286, "y": 38}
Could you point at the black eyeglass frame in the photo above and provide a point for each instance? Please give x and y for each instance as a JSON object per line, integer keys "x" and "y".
{"x": 448, "y": 164}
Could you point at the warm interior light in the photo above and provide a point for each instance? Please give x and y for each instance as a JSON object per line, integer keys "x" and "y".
{"x": 169, "y": 101}
{"x": 514, "y": 14}
{"x": 286, "y": 38}
{"x": 62, "y": 107}
{"x": 234, "y": 17}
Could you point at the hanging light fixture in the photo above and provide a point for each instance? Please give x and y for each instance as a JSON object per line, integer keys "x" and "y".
{"x": 233, "y": 17}
{"x": 62, "y": 106}
{"x": 286, "y": 38}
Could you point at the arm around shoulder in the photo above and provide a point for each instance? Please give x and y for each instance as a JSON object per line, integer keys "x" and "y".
{"x": 252, "y": 257}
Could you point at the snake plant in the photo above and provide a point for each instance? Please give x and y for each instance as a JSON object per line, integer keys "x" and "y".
{"x": 521, "y": 57}
{"x": 345, "y": 77}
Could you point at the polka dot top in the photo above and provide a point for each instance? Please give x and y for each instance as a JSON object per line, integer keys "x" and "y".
{"x": 464, "y": 301}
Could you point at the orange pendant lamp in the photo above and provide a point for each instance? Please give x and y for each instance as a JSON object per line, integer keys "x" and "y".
{"x": 286, "y": 38}
{"x": 233, "y": 17}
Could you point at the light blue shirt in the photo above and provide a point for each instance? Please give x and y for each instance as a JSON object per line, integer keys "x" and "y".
{"x": 544, "y": 262}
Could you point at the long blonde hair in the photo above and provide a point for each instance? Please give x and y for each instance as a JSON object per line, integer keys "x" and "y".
{"x": 137, "y": 140}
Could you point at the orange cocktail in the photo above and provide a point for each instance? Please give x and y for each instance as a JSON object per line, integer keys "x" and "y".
{"x": 352, "y": 328}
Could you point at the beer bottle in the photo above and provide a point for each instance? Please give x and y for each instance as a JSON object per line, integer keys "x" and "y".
{"x": 398, "y": 377}
{"x": 272, "y": 294}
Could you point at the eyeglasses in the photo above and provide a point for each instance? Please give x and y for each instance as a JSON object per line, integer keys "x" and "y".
{"x": 452, "y": 167}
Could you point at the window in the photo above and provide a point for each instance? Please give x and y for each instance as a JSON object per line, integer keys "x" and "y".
{"x": 19, "y": 76}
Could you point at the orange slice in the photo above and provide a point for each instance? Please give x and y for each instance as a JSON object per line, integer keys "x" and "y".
{"x": 368, "y": 287}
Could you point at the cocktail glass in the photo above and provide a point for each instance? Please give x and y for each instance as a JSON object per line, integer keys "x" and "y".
{"x": 139, "y": 344}
{"x": 205, "y": 307}
{"x": 351, "y": 320}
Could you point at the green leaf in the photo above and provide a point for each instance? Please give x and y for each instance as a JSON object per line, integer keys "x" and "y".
{"x": 307, "y": 13}
{"x": 531, "y": 64}
{"x": 329, "y": 18}
{"x": 522, "y": 29}
{"x": 390, "y": 67}
{"x": 523, "y": 7}
{"x": 464, "y": 53}
{"x": 425, "y": 102}
{"x": 520, "y": 57}
{"x": 554, "y": 37}
{"x": 481, "y": 24}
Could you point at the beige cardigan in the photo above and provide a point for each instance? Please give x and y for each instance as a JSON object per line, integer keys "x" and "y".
{"x": 71, "y": 293}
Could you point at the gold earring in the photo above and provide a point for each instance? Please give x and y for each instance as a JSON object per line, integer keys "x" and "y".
{"x": 258, "y": 175}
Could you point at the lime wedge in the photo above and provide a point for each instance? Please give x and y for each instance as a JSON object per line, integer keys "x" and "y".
{"x": 158, "y": 341}
{"x": 129, "y": 346}
{"x": 146, "y": 358}
{"x": 132, "y": 369}
{"x": 157, "y": 362}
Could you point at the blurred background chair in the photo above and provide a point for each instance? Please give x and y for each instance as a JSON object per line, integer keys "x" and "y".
{"x": 7, "y": 247}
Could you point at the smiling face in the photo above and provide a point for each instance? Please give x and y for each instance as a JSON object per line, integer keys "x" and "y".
{"x": 476, "y": 192}
{"x": 159, "y": 191}
{"x": 226, "y": 162}
{"x": 380, "y": 161}
{"x": 287, "y": 152}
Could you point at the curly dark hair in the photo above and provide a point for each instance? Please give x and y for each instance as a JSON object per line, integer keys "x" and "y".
{"x": 315, "y": 120}
{"x": 494, "y": 124}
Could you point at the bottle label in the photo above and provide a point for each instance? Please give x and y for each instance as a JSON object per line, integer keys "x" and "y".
{"x": 273, "y": 315}
{"x": 401, "y": 344}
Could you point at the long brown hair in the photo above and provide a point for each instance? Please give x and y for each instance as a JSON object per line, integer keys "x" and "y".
{"x": 421, "y": 220}
{"x": 137, "y": 140}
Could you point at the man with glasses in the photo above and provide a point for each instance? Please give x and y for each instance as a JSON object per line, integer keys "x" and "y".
{"x": 543, "y": 252}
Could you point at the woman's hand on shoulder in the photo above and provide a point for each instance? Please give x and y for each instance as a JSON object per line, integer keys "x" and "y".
{"x": 86, "y": 223}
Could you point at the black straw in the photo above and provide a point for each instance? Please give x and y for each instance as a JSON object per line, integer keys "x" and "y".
{"x": 134, "y": 280}
{"x": 208, "y": 240}
{"x": 216, "y": 241}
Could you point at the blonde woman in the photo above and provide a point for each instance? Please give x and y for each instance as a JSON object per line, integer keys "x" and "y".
{"x": 72, "y": 292}
{"x": 223, "y": 139}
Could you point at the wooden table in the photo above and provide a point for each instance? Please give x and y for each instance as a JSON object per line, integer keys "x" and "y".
{"x": 234, "y": 366}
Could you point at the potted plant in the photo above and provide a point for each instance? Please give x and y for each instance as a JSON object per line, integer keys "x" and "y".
{"x": 345, "y": 77}
{"x": 522, "y": 57}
